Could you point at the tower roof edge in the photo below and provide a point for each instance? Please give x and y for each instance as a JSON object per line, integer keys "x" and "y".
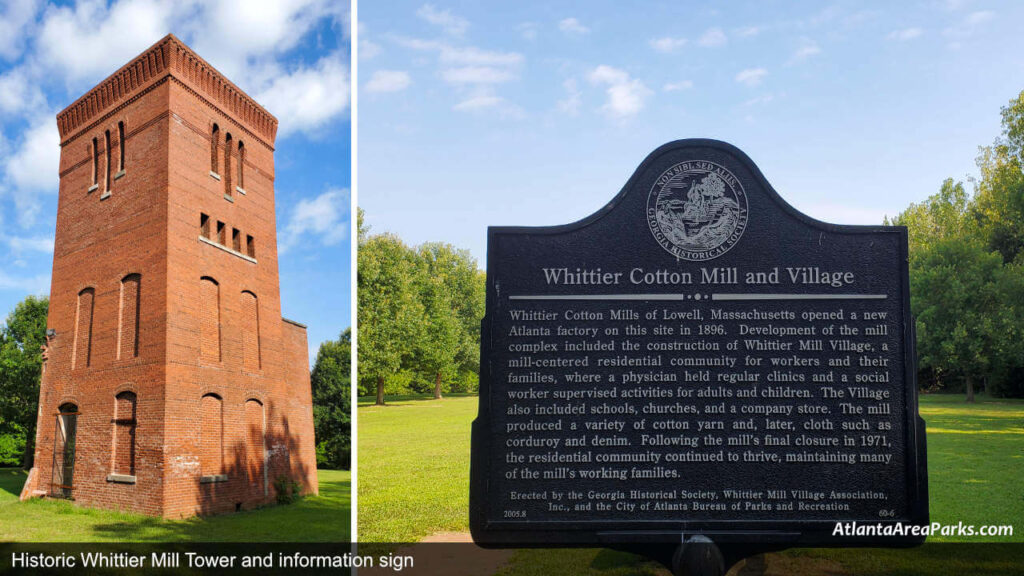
{"x": 169, "y": 57}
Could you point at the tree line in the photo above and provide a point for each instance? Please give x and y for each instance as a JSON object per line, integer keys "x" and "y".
{"x": 967, "y": 272}
{"x": 419, "y": 316}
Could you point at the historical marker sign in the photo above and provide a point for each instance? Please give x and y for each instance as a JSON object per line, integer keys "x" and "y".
{"x": 698, "y": 357}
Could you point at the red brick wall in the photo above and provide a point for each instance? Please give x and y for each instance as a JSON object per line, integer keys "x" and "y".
{"x": 194, "y": 337}
{"x": 99, "y": 242}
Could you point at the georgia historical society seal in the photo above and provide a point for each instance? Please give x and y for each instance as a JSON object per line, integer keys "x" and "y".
{"x": 697, "y": 210}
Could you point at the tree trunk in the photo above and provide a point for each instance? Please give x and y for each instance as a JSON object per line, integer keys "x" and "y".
{"x": 970, "y": 390}
{"x": 380, "y": 391}
{"x": 437, "y": 387}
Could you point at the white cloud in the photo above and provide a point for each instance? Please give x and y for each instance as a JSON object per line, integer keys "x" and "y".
{"x": 324, "y": 217}
{"x": 473, "y": 72}
{"x": 367, "y": 48}
{"x": 712, "y": 37}
{"x": 762, "y": 99}
{"x": 529, "y": 30}
{"x": 667, "y": 44}
{"x": 32, "y": 169}
{"x": 479, "y": 102}
{"x": 477, "y": 75}
{"x": 626, "y": 95}
{"x": 16, "y": 20}
{"x": 751, "y": 76}
{"x": 678, "y": 86}
{"x": 482, "y": 99}
{"x": 450, "y": 23}
{"x": 20, "y": 245}
{"x": 241, "y": 38}
{"x": 462, "y": 55}
{"x": 905, "y": 34}
{"x": 38, "y": 285}
{"x": 807, "y": 49}
{"x": 307, "y": 98}
{"x": 969, "y": 25}
{"x": 103, "y": 38}
{"x": 19, "y": 92}
{"x": 388, "y": 81}
{"x": 748, "y": 31}
{"x": 980, "y": 17}
{"x": 470, "y": 55}
{"x": 572, "y": 26}
{"x": 573, "y": 98}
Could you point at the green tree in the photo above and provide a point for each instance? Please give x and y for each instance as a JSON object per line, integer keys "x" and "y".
{"x": 941, "y": 216}
{"x": 999, "y": 202}
{"x": 389, "y": 311}
{"x": 21, "y": 366}
{"x": 453, "y": 305}
{"x": 962, "y": 320}
{"x": 961, "y": 294}
{"x": 332, "y": 402}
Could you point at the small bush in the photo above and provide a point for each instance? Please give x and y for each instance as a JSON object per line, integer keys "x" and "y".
{"x": 287, "y": 490}
{"x": 466, "y": 382}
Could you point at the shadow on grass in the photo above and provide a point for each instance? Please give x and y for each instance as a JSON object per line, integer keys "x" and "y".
{"x": 12, "y": 480}
{"x": 323, "y": 518}
{"x": 312, "y": 518}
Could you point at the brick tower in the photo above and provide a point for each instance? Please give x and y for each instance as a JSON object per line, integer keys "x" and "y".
{"x": 172, "y": 384}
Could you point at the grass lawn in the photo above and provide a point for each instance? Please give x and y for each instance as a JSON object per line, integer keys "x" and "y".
{"x": 323, "y": 518}
{"x": 414, "y": 468}
{"x": 414, "y": 481}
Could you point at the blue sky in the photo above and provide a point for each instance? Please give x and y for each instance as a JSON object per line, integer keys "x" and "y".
{"x": 531, "y": 113}
{"x": 292, "y": 56}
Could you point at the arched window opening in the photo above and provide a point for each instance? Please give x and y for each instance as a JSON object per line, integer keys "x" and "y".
{"x": 211, "y": 450}
{"x": 251, "y": 331}
{"x": 125, "y": 422}
{"x": 64, "y": 439}
{"x": 255, "y": 447}
{"x": 128, "y": 317}
{"x": 241, "y": 165}
{"x": 214, "y": 141}
{"x": 106, "y": 157}
{"x": 95, "y": 163}
{"x": 209, "y": 319}
{"x": 227, "y": 165}
{"x": 120, "y": 144}
{"x": 81, "y": 353}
